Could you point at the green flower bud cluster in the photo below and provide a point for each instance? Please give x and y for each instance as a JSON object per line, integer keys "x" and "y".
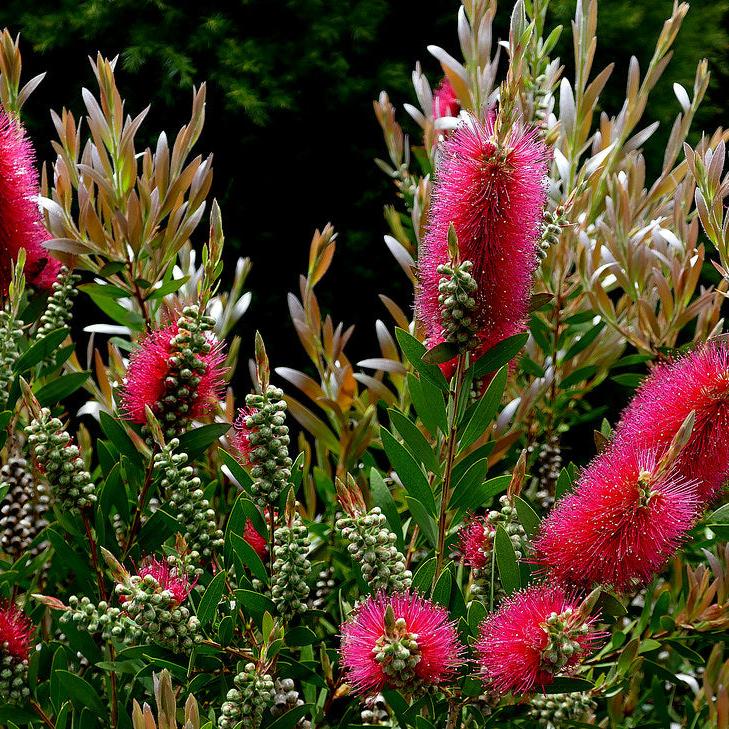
{"x": 289, "y": 588}
{"x": 372, "y": 546}
{"x": 285, "y": 698}
{"x": 158, "y": 614}
{"x": 60, "y": 460}
{"x": 188, "y": 347}
{"x": 324, "y": 587}
{"x": 554, "y": 712}
{"x": 398, "y": 653}
{"x": 269, "y": 441}
{"x": 245, "y": 704}
{"x": 58, "y": 309}
{"x": 562, "y": 631}
{"x": 552, "y": 223}
{"x": 10, "y": 328}
{"x": 186, "y": 501}
{"x": 456, "y": 290}
{"x": 13, "y": 679}
{"x": 110, "y": 622}
{"x": 507, "y": 518}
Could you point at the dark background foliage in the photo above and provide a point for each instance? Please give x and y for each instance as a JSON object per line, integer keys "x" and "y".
{"x": 290, "y": 118}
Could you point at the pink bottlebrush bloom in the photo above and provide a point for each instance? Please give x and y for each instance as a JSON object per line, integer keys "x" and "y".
{"x": 536, "y": 634}
{"x": 150, "y": 369}
{"x": 622, "y": 523}
{"x": 243, "y": 427}
{"x": 445, "y": 101}
{"x": 21, "y": 223}
{"x": 494, "y": 194}
{"x": 418, "y": 631}
{"x": 167, "y": 577}
{"x": 698, "y": 381}
{"x": 256, "y": 540}
{"x": 473, "y": 542}
{"x": 15, "y": 632}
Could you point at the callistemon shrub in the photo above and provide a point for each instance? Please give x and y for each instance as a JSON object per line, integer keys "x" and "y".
{"x": 512, "y": 513}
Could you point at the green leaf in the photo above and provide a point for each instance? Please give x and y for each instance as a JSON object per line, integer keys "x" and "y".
{"x": 40, "y": 350}
{"x": 424, "y": 520}
{"x": 506, "y": 561}
{"x": 414, "y": 351}
{"x": 568, "y": 685}
{"x": 578, "y": 376}
{"x": 499, "y": 355}
{"x": 628, "y": 380}
{"x": 382, "y": 497}
{"x": 423, "y": 577}
{"x": 443, "y": 352}
{"x": 466, "y": 491}
{"x": 108, "y": 290}
{"x": 564, "y": 484}
{"x": 720, "y": 516}
{"x": 429, "y": 404}
{"x": 249, "y": 557}
{"x": 483, "y": 493}
{"x": 117, "y": 313}
{"x": 291, "y": 718}
{"x": 527, "y": 516}
{"x": 442, "y": 589}
{"x": 117, "y": 434}
{"x": 168, "y": 288}
{"x": 81, "y": 692}
{"x": 210, "y": 599}
{"x": 60, "y": 388}
{"x": 239, "y": 473}
{"x": 414, "y": 440}
{"x": 485, "y": 410}
{"x": 583, "y": 342}
{"x": 410, "y": 473}
{"x": 196, "y": 442}
{"x": 301, "y": 635}
{"x": 255, "y": 604}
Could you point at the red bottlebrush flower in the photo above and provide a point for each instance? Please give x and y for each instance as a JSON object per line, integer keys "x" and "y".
{"x": 445, "y": 101}
{"x": 698, "y": 381}
{"x": 167, "y": 578}
{"x": 621, "y": 524}
{"x": 473, "y": 541}
{"x": 535, "y": 635}
{"x": 21, "y": 224}
{"x": 256, "y": 540}
{"x": 400, "y": 641}
{"x": 494, "y": 195}
{"x": 150, "y": 370}
{"x": 241, "y": 437}
{"x": 15, "y": 632}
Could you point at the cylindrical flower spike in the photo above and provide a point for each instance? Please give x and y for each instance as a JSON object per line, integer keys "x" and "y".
{"x": 627, "y": 516}
{"x": 494, "y": 195}
{"x": 536, "y": 634}
{"x": 15, "y": 642}
{"x": 698, "y": 382}
{"x": 401, "y": 641}
{"x": 177, "y": 372}
{"x": 21, "y": 224}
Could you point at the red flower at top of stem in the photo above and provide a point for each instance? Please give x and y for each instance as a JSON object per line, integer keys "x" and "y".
{"x": 535, "y": 635}
{"x": 474, "y": 539}
{"x": 151, "y": 375}
{"x": 167, "y": 577}
{"x": 494, "y": 195}
{"x": 698, "y": 381}
{"x": 21, "y": 223}
{"x": 15, "y": 632}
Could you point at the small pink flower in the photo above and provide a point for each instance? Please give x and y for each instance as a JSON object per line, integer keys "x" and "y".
{"x": 400, "y": 641}
{"x": 445, "y": 101}
{"x": 698, "y": 381}
{"x": 15, "y": 632}
{"x": 21, "y": 223}
{"x": 167, "y": 577}
{"x": 622, "y": 523}
{"x": 494, "y": 195}
{"x": 473, "y": 542}
{"x": 151, "y": 373}
{"x": 256, "y": 540}
{"x": 243, "y": 428}
{"x": 535, "y": 635}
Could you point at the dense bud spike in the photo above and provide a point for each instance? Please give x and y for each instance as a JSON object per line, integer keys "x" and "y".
{"x": 10, "y": 329}
{"x": 59, "y": 460}
{"x": 245, "y": 704}
{"x": 58, "y": 309}
{"x": 291, "y": 568}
